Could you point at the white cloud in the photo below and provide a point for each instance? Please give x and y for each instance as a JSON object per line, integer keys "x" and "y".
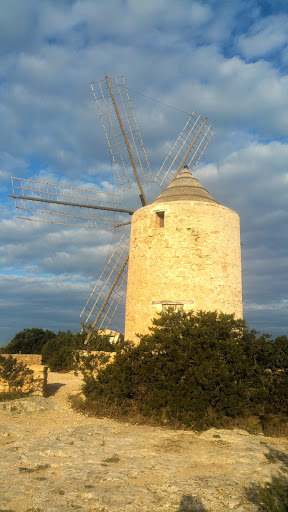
{"x": 266, "y": 36}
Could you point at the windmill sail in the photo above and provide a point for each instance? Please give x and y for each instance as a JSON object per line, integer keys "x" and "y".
{"x": 58, "y": 204}
{"x": 109, "y": 289}
{"x": 188, "y": 149}
{"x": 122, "y": 132}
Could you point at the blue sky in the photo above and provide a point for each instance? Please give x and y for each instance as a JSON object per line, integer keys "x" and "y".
{"x": 228, "y": 60}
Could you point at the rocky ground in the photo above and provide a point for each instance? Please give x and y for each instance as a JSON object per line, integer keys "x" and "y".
{"x": 56, "y": 460}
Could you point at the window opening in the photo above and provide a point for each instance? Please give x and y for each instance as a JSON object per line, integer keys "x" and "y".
{"x": 160, "y": 219}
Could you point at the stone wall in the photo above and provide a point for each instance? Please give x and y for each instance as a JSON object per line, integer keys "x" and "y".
{"x": 35, "y": 384}
{"x": 189, "y": 259}
{"x": 26, "y": 358}
{"x": 97, "y": 354}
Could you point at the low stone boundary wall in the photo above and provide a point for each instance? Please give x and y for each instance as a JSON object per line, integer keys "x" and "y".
{"x": 26, "y": 358}
{"x": 35, "y": 384}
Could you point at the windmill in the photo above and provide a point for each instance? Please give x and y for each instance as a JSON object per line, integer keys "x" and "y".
{"x": 58, "y": 204}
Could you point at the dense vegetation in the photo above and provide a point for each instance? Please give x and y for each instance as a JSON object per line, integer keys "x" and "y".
{"x": 28, "y": 341}
{"x": 195, "y": 371}
{"x": 58, "y": 350}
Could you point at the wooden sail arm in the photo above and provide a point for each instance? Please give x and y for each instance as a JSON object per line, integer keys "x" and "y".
{"x": 142, "y": 193}
{"x": 68, "y": 203}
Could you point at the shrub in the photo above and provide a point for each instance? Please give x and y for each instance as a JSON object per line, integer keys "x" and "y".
{"x": 100, "y": 342}
{"x": 14, "y": 373}
{"x": 60, "y": 352}
{"x": 194, "y": 370}
{"x": 273, "y": 497}
{"x": 61, "y": 360}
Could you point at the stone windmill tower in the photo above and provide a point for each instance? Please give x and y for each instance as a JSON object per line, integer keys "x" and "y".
{"x": 185, "y": 253}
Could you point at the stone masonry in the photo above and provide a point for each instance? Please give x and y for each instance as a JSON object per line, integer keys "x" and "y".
{"x": 184, "y": 254}
{"x": 26, "y": 358}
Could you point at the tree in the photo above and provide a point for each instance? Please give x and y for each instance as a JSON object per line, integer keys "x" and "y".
{"x": 28, "y": 341}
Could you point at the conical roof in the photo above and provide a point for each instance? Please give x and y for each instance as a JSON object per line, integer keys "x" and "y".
{"x": 185, "y": 188}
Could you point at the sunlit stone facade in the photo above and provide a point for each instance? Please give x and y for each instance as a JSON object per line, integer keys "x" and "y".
{"x": 185, "y": 254}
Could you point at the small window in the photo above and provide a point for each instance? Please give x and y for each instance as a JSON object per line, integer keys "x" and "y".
{"x": 160, "y": 219}
{"x": 176, "y": 305}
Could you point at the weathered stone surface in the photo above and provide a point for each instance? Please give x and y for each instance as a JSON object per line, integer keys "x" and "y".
{"x": 57, "y": 460}
{"x": 194, "y": 260}
{"x": 27, "y": 405}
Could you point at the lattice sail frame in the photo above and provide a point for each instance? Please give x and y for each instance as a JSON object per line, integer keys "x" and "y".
{"x": 187, "y": 150}
{"x": 113, "y": 278}
{"x": 114, "y": 134}
{"x": 31, "y": 204}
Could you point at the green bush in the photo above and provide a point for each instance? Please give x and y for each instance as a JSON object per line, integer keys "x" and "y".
{"x": 58, "y": 353}
{"x": 14, "y": 373}
{"x": 100, "y": 342}
{"x": 61, "y": 360}
{"x": 194, "y": 370}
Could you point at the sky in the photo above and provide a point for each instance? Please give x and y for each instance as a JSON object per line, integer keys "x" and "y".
{"x": 226, "y": 60}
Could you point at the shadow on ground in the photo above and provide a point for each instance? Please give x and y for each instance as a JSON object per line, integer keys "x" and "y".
{"x": 274, "y": 455}
{"x": 271, "y": 496}
{"x": 53, "y": 388}
{"x": 190, "y": 504}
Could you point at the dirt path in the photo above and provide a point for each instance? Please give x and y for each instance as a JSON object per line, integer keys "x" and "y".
{"x": 54, "y": 459}
{"x": 58, "y": 412}
{"x": 60, "y": 386}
